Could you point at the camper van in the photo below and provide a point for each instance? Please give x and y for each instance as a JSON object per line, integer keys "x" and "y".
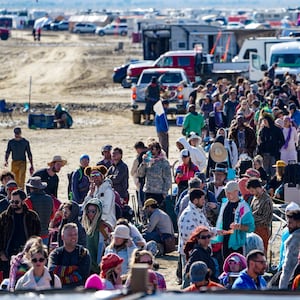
{"x": 261, "y": 46}
{"x": 286, "y": 55}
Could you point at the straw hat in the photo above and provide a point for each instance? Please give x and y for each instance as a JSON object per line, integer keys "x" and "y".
{"x": 218, "y": 152}
{"x": 57, "y": 158}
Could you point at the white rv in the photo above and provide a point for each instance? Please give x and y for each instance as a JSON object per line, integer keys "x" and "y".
{"x": 261, "y": 46}
{"x": 286, "y": 55}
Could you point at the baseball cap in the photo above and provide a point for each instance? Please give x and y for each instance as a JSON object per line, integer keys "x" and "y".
{"x": 184, "y": 153}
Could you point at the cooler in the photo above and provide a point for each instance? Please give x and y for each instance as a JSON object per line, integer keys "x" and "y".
{"x": 40, "y": 121}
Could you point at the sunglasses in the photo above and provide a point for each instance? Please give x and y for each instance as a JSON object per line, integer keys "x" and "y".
{"x": 41, "y": 259}
{"x": 232, "y": 262}
{"x": 15, "y": 202}
{"x": 204, "y": 237}
{"x": 91, "y": 211}
{"x": 95, "y": 175}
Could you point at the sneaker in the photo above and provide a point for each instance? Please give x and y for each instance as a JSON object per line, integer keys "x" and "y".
{"x": 178, "y": 281}
{"x": 147, "y": 122}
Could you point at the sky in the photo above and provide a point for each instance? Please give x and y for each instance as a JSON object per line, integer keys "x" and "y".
{"x": 123, "y": 4}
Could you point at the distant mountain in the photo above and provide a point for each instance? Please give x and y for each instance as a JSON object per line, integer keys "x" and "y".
{"x": 121, "y": 4}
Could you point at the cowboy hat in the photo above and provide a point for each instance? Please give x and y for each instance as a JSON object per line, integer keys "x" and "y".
{"x": 36, "y": 183}
{"x": 218, "y": 152}
{"x": 57, "y": 158}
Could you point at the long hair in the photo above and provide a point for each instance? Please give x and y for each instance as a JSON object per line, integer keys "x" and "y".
{"x": 90, "y": 226}
{"x": 193, "y": 240}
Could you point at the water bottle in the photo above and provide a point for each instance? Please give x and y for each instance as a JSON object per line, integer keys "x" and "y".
{"x": 148, "y": 157}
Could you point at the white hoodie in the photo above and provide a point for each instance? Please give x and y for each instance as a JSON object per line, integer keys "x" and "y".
{"x": 198, "y": 157}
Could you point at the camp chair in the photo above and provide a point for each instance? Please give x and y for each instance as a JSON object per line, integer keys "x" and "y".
{"x": 4, "y": 110}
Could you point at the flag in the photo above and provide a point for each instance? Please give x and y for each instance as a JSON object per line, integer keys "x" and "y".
{"x": 158, "y": 108}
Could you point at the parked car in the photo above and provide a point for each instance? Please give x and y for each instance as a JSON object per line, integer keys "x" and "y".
{"x": 84, "y": 28}
{"x": 120, "y": 73}
{"x": 174, "y": 84}
{"x": 113, "y": 29}
{"x": 62, "y": 25}
{"x": 4, "y": 33}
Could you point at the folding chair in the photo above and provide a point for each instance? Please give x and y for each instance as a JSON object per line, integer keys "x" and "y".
{"x": 4, "y": 110}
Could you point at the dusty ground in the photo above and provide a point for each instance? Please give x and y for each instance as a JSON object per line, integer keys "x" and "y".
{"x": 72, "y": 69}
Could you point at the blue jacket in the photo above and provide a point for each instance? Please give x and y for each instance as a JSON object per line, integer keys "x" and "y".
{"x": 296, "y": 117}
{"x": 244, "y": 216}
{"x": 161, "y": 123}
{"x": 245, "y": 282}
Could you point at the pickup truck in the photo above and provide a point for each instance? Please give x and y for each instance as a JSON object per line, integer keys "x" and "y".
{"x": 174, "y": 86}
{"x": 198, "y": 66}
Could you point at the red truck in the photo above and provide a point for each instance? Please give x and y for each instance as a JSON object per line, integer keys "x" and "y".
{"x": 198, "y": 66}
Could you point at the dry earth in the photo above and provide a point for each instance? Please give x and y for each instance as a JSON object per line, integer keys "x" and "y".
{"x": 74, "y": 70}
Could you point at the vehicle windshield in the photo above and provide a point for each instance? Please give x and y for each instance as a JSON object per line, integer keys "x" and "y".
{"x": 165, "y": 78}
{"x": 289, "y": 60}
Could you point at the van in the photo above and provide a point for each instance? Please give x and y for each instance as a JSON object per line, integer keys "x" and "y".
{"x": 286, "y": 55}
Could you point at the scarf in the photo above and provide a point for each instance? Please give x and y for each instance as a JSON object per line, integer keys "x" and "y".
{"x": 288, "y": 138}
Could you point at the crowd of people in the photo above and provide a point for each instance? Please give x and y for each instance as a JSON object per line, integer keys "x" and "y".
{"x": 216, "y": 206}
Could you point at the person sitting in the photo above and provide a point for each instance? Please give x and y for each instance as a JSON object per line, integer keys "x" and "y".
{"x": 200, "y": 278}
{"x": 232, "y": 266}
{"x": 62, "y": 118}
{"x": 38, "y": 277}
{"x": 160, "y": 226}
{"x": 71, "y": 262}
{"x": 110, "y": 275}
{"x": 122, "y": 245}
{"x": 251, "y": 278}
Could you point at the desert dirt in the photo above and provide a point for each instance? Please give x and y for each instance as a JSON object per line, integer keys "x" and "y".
{"x": 75, "y": 70}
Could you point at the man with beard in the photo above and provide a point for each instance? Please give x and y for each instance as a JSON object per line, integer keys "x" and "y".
{"x": 119, "y": 175}
{"x": 17, "y": 225}
{"x": 251, "y": 278}
{"x": 192, "y": 217}
{"x": 292, "y": 246}
{"x": 160, "y": 226}
{"x": 49, "y": 175}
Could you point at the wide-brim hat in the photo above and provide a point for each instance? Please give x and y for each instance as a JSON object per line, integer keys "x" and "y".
{"x": 218, "y": 152}
{"x": 57, "y": 158}
{"x": 279, "y": 163}
{"x": 36, "y": 183}
{"x": 149, "y": 202}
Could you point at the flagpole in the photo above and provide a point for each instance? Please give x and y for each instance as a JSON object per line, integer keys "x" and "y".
{"x": 29, "y": 100}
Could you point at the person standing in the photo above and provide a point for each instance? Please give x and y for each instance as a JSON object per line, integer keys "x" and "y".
{"x": 106, "y": 159}
{"x": 262, "y": 209}
{"x": 49, "y": 175}
{"x": 19, "y": 147}
{"x": 291, "y": 247}
{"x": 152, "y": 95}
{"x": 119, "y": 175}
{"x": 80, "y": 183}
{"x": 251, "y": 278}
{"x": 41, "y": 203}
{"x": 193, "y": 121}
{"x": 157, "y": 173}
{"x": 230, "y": 106}
{"x": 17, "y": 225}
{"x": 236, "y": 217}
{"x": 162, "y": 127}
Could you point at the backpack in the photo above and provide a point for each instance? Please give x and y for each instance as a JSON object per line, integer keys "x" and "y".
{"x": 70, "y": 182}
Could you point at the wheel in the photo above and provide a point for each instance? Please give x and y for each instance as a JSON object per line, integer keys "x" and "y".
{"x": 101, "y": 33}
{"x": 4, "y": 37}
{"x": 136, "y": 116}
{"x": 123, "y": 33}
{"x": 77, "y": 31}
{"x": 125, "y": 84}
